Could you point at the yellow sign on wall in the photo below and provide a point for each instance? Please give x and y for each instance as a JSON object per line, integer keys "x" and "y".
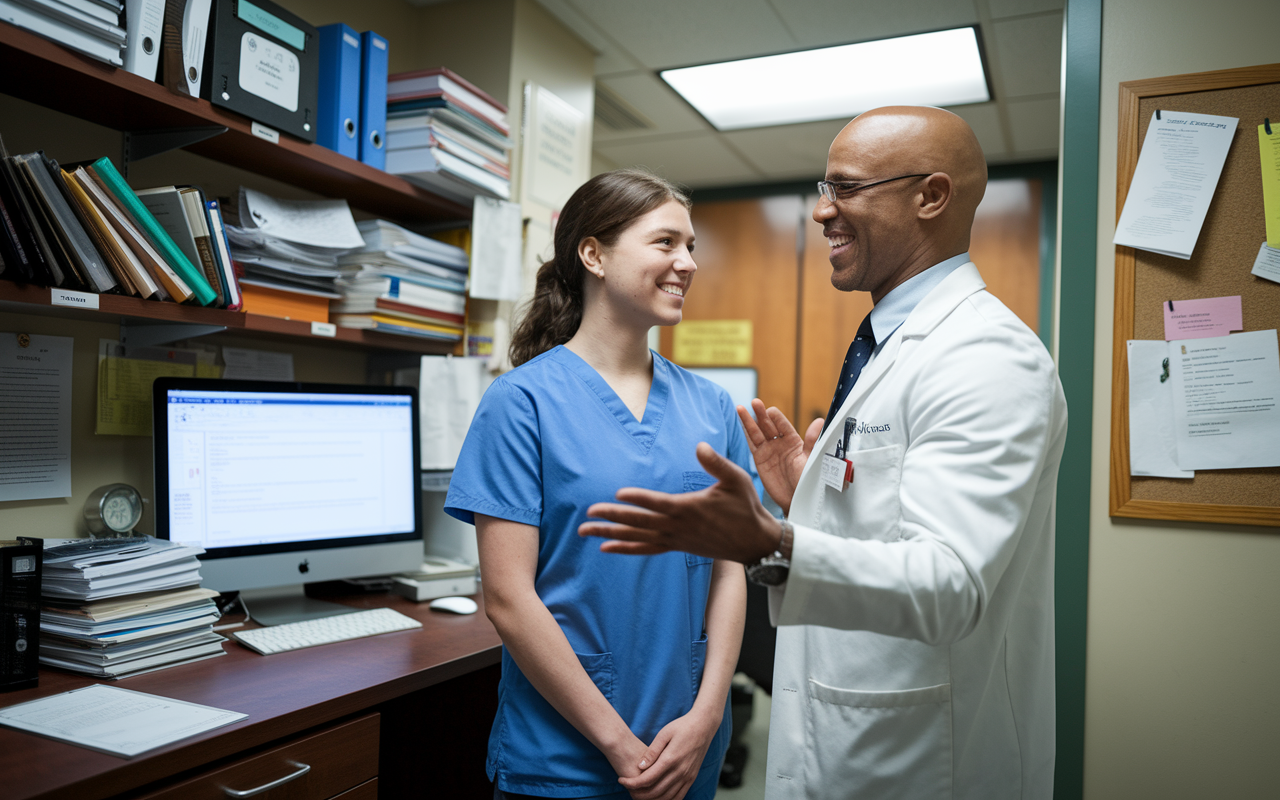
{"x": 713, "y": 342}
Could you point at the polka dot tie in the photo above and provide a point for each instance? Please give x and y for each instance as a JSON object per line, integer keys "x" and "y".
{"x": 860, "y": 350}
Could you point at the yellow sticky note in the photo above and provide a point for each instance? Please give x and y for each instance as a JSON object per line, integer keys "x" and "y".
{"x": 124, "y": 393}
{"x": 713, "y": 342}
{"x": 1269, "y": 147}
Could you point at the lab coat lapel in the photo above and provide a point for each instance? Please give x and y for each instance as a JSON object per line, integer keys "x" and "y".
{"x": 932, "y": 310}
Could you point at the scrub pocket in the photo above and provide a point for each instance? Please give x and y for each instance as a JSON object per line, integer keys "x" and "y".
{"x": 890, "y": 744}
{"x": 599, "y": 667}
{"x": 694, "y": 481}
{"x": 870, "y": 506}
{"x": 698, "y": 662}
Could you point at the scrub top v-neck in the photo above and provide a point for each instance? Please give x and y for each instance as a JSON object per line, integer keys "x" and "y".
{"x": 549, "y": 439}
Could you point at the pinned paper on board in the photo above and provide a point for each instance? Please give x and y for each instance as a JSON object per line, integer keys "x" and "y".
{"x": 1202, "y": 318}
{"x": 1267, "y": 264}
{"x": 1153, "y": 448}
{"x": 1269, "y": 153}
{"x": 1178, "y": 169}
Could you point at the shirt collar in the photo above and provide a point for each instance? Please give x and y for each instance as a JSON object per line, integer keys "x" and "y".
{"x": 894, "y": 308}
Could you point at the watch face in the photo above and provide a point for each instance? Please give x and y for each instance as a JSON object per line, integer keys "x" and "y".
{"x": 121, "y": 510}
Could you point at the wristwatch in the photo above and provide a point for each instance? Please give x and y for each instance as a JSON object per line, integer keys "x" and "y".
{"x": 772, "y": 570}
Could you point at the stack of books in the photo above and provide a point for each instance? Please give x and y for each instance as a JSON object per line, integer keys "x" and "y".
{"x": 91, "y": 27}
{"x": 82, "y": 227}
{"x": 405, "y": 283}
{"x": 115, "y": 608}
{"x": 448, "y": 136}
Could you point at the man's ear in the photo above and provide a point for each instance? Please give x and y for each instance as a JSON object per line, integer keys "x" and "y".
{"x": 936, "y": 195}
{"x": 591, "y": 254}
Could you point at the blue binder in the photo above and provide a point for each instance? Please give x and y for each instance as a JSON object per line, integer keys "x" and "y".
{"x": 373, "y": 99}
{"x": 338, "y": 109}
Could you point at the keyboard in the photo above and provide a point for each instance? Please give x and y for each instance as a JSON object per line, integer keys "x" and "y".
{"x": 311, "y": 632}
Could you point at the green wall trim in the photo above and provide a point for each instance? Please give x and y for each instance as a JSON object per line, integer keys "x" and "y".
{"x": 1079, "y": 254}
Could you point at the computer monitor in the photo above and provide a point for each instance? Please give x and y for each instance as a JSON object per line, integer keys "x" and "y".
{"x": 288, "y": 483}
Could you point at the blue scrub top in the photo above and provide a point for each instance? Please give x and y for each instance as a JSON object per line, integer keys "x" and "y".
{"x": 549, "y": 439}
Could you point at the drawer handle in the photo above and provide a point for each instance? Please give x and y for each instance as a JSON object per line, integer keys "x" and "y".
{"x": 303, "y": 769}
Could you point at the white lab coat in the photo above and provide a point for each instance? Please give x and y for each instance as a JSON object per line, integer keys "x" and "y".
{"x": 915, "y": 652}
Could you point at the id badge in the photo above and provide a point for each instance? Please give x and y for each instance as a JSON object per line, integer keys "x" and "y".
{"x": 836, "y": 472}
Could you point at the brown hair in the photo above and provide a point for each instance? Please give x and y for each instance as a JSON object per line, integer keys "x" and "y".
{"x": 602, "y": 208}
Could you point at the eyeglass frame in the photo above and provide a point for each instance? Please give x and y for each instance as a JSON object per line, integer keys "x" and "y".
{"x": 828, "y": 189}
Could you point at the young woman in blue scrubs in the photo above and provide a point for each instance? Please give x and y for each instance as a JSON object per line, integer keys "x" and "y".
{"x": 615, "y": 669}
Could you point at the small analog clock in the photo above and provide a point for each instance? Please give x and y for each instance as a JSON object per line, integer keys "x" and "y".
{"x": 113, "y": 510}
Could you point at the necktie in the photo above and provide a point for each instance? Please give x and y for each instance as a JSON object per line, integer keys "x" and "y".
{"x": 860, "y": 350}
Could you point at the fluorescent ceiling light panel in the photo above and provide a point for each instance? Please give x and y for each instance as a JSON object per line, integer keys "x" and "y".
{"x": 943, "y": 68}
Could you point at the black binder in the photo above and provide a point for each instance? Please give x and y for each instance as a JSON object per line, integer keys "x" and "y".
{"x": 20, "y": 568}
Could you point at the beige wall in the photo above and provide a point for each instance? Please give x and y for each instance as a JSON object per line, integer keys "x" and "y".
{"x": 1183, "y": 643}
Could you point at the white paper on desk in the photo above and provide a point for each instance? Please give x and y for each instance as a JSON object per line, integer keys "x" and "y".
{"x": 114, "y": 720}
{"x": 319, "y": 223}
{"x": 1153, "y": 451}
{"x": 497, "y": 235}
{"x": 1178, "y": 169}
{"x": 449, "y": 391}
{"x": 257, "y": 365}
{"x": 1226, "y": 400}
{"x": 35, "y": 417}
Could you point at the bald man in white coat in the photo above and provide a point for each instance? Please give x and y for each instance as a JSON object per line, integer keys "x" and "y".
{"x": 912, "y": 581}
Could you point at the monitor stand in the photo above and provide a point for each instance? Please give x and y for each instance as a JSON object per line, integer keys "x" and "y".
{"x": 281, "y": 604}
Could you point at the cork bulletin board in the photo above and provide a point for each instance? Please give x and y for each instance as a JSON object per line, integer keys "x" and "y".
{"x": 1219, "y": 267}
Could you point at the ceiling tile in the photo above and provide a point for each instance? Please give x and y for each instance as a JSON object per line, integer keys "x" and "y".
{"x": 827, "y": 22}
{"x": 648, "y": 94}
{"x": 1034, "y": 124}
{"x": 1012, "y": 8}
{"x": 678, "y": 34}
{"x": 1030, "y": 54}
{"x": 609, "y": 58}
{"x": 984, "y": 118}
{"x": 788, "y": 151}
{"x": 696, "y": 160}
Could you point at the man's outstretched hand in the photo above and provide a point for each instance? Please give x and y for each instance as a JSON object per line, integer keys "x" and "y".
{"x": 778, "y": 450}
{"x": 725, "y": 520}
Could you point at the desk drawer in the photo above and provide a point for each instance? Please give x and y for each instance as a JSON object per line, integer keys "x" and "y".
{"x": 341, "y": 758}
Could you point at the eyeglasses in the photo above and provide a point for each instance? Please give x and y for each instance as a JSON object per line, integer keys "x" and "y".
{"x": 833, "y": 190}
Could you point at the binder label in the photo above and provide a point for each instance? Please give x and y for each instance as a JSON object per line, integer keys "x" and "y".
{"x": 66, "y": 297}
{"x": 269, "y": 70}
{"x": 267, "y": 22}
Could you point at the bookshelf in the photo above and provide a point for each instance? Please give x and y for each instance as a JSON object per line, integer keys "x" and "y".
{"x": 43, "y": 72}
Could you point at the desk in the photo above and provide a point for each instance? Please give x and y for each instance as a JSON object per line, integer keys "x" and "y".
{"x": 434, "y": 689}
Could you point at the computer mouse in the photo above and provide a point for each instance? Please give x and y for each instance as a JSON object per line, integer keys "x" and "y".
{"x": 458, "y": 605}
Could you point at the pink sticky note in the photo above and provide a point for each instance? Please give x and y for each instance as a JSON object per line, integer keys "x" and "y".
{"x": 1202, "y": 319}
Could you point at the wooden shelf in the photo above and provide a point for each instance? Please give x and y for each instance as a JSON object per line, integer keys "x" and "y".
{"x": 45, "y": 73}
{"x": 18, "y": 299}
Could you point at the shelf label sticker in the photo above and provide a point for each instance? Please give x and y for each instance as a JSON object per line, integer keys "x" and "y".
{"x": 324, "y": 329}
{"x": 269, "y": 70}
{"x": 66, "y": 297}
{"x": 263, "y": 132}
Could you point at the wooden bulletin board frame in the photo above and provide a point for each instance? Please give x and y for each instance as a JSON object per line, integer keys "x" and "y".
{"x": 1220, "y": 265}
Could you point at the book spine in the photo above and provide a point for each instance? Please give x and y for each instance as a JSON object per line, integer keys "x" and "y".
{"x": 222, "y": 249}
{"x": 106, "y": 170}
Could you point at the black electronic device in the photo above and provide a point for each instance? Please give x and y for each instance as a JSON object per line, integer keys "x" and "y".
{"x": 264, "y": 63}
{"x": 20, "y": 567}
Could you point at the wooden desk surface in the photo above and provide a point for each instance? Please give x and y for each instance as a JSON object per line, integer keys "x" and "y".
{"x": 282, "y": 694}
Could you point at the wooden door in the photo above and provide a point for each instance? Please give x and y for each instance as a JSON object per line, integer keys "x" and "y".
{"x": 747, "y": 256}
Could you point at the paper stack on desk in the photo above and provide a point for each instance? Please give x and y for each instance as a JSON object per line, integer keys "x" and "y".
{"x": 119, "y": 608}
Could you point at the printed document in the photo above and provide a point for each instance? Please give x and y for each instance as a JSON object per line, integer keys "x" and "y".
{"x": 113, "y": 720}
{"x": 449, "y": 392}
{"x": 497, "y": 235}
{"x": 317, "y": 223}
{"x": 35, "y": 416}
{"x": 1178, "y": 169}
{"x": 1226, "y": 400}
{"x": 1267, "y": 264}
{"x": 1153, "y": 452}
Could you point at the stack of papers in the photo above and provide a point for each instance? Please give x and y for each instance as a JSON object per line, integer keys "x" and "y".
{"x": 405, "y": 283}
{"x": 92, "y": 27}
{"x": 115, "y": 608}
{"x": 292, "y": 245}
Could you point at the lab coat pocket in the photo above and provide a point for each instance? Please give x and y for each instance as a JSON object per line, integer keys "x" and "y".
{"x": 694, "y": 481}
{"x": 890, "y": 744}
{"x": 869, "y": 507}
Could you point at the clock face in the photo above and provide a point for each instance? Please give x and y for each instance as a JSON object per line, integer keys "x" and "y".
{"x": 121, "y": 510}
